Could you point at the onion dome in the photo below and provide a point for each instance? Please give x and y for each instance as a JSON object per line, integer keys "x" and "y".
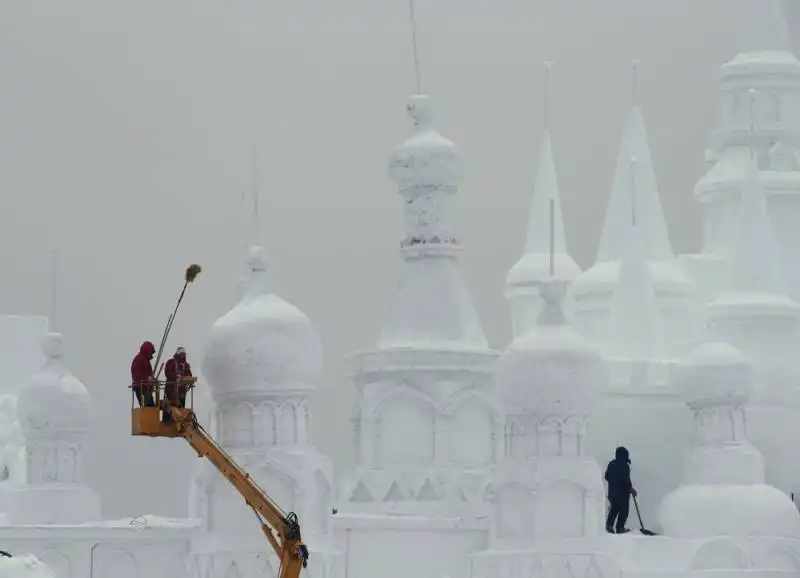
{"x": 426, "y": 158}
{"x": 54, "y": 404}
{"x": 264, "y": 344}
{"x": 551, "y": 369}
{"x": 715, "y": 374}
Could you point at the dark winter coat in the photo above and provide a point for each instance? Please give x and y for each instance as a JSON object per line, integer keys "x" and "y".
{"x": 141, "y": 369}
{"x": 618, "y": 476}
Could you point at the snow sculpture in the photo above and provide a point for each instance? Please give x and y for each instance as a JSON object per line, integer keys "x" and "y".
{"x": 54, "y": 411}
{"x": 724, "y": 492}
{"x": 262, "y": 361}
{"x": 548, "y": 494}
{"x": 21, "y": 357}
{"x": 532, "y": 268}
{"x": 24, "y": 567}
{"x": 426, "y": 420}
{"x": 593, "y": 291}
{"x": 765, "y": 63}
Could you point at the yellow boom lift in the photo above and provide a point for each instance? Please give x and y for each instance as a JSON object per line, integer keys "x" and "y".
{"x": 282, "y": 530}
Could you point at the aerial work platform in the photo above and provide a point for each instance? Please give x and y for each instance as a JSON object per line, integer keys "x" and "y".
{"x": 149, "y": 420}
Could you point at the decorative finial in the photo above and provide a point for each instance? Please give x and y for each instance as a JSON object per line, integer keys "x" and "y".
{"x": 54, "y": 291}
{"x": 633, "y": 163}
{"x": 635, "y": 81}
{"x": 547, "y": 66}
{"x": 552, "y": 238}
{"x": 751, "y": 94}
{"x": 419, "y": 109}
{"x": 413, "y": 21}
{"x": 255, "y": 193}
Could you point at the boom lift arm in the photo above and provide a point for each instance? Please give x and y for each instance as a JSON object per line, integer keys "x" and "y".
{"x": 281, "y": 530}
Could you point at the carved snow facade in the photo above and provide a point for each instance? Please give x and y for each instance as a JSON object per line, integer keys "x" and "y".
{"x": 427, "y": 430}
{"x": 262, "y": 361}
{"x": 427, "y": 427}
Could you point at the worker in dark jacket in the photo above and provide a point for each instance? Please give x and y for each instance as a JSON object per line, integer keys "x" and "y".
{"x": 142, "y": 373}
{"x": 176, "y": 369}
{"x": 620, "y": 490}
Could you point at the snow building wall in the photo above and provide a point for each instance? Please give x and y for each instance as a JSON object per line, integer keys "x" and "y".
{"x": 147, "y": 547}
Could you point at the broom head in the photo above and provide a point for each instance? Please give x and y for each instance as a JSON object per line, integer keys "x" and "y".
{"x": 192, "y": 271}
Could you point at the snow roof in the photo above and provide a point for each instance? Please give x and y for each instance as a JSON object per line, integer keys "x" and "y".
{"x": 649, "y": 214}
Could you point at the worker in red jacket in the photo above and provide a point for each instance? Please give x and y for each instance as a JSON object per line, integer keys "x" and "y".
{"x": 142, "y": 373}
{"x": 176, "y": 369}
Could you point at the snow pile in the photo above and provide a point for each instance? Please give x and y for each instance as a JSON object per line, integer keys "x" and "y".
{"x": 24, "y": 567}
{"x": 149, "y": 521}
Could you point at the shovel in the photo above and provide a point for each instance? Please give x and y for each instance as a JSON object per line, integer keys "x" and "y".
{"x": 642, "y": 529}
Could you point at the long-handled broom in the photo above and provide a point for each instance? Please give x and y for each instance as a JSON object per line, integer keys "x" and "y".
{"x": 192, "y": 271}
{"x": 641, "y": 524}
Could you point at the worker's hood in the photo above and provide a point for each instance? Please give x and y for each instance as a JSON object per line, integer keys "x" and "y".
{"x": 147, "y": 348}
{"x": 622, "y": 454}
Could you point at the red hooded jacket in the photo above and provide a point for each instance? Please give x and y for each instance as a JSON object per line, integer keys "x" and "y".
{"x": 174, "y": 369}
{"x": 141, "y": 369}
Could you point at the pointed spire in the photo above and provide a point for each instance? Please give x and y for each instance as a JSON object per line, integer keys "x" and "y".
{"x": 633, "y": 313}
{"x": 756, "y": 265}
{"x": 769, "y": 32}
{"x": 413, "y": 21}
{"x": 256, "y": 194}
{"x": 545, "y": 189}
{"x": 649, "y": 213}
{"x": 54, "y": 291}
{"x": 552, "y": 290}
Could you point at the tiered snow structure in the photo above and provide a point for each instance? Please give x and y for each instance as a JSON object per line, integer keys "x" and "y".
{"x": 532, "y": 268}
{"x": 730, "y": 518}
{"x": 54, "y": 411}
{"x": 755, "y": 315}
{"x": 767, "y": 65}
{"x": 24, "y": 567}
{"x": 428, "y": 427}
{"x": 549, "y": 497}
{"x": 263, "y": 360}
{"x": 593, "y": 291}
{"x": 20, "y": 344}
{"x": 637, "y": 409}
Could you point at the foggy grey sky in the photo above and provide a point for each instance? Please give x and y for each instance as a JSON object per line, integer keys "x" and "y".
{"x": 125, "y": 137}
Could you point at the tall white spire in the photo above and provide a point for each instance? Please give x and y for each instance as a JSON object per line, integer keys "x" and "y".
{"x": 649, "y": 215}
{"x": 545, "y": 245}
{"x": 634, "y": 319}
{"x": 54, "y": 322}
{"x": 769, "y": 32}
{"x": 545, "y": 189}
{"x": 757, "y": 266}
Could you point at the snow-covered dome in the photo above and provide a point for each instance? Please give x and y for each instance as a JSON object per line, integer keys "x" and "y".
{"x": 426, "y": 158}
{"x": 714, "y": 374}
{"x": 697, "y": 511}
{"x": 551, "y": 368}
{"x": 54, "y": 404}
{"x": 263, "y": 344}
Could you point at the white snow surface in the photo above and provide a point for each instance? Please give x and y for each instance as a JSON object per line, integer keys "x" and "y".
{"x": 24, "y": 567}
{"x": 147, "y": 521}
{"x": 262, "y": 342}
{"x": 701, "y": 511}
{"x": 54, "y": 402}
